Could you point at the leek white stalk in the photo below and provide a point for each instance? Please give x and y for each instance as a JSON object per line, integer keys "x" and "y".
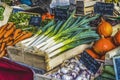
{"x": 75, "y": 38}
{"x": 38, "y": 39}
{"x": 41, "y": 41}
{"x": 72, "y": 45}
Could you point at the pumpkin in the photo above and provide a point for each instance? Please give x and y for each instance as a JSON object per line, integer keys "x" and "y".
{"x": 104, "y": 28}
{"x": 102, "y": 46}
{"x": 92, "y": 53}
{"x": 116, "y": 38}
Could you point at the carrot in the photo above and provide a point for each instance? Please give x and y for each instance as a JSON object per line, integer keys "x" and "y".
{"x": 9, "y": 32}
{"x": 27, "y": 35}
{"x": 17, "y": 33}
{"x": 1, "y": 40}
{"x": 2, "y": 34}
{"x": 2, "y": 53}
{"x": 10, "y": 43}
{"x": 2, "y": 46}
{"x": 10, "y": 25}
{"x": 3, "y": 28}
{"x": 92, "y": 54}
{"x": 22, "y": 33}
{"x": 7, "y": 39}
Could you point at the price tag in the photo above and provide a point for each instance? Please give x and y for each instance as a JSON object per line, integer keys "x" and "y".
{"x": 35, "y": 21}
{"x": 104, "y": 8}
{"x": 116, "y": 62}
{"x": 89, "y": 62}
{"x": 15, "y": 10}
{"x": 61, "y": 14}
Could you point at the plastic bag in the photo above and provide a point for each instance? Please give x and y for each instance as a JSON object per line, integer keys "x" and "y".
{"x": 55, "y": 3}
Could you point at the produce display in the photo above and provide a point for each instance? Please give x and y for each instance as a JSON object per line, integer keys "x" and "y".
{"x": 22, "y": 20}
{"x": 72, "y": 69}
{"x": 117, "y": 38}
{"x": 1, "y": 13}
{"x": 47, "y": 16}
{"x": 55, "y": 38}
{"x": 108, "y": 73}
{"x": 105, "y": 28}
{"x": 9, "y": 36}
{"x": 56, "y": 47}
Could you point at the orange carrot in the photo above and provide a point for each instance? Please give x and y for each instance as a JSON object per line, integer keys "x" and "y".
{"x": 22, "y": 33}
{"x": 2, "y": 53}
{"x": 3, "y": 28}
{"x": 2, "y": 34}
{"x": 2, "y": 46}
{"x": 9, "y": 32}
{"x": 17, "y": 33}
{"x": 7, "y": 39}
{"x": 92, "y": 54}
{"x": 10, "y": 25}
{"x": 10, "y": 43}
{"x": 1, "y": 40}
{"x": 27, "y": 35}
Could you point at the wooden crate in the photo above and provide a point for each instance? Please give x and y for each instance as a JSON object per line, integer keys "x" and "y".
{"x": 39, "y": 59}
{"x": 6, "y": 14}
{"x": 85, "y": 7}
{"x": 42, "y": 77}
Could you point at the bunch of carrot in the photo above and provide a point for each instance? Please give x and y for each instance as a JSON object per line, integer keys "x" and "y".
{"x": 9, "y": 36}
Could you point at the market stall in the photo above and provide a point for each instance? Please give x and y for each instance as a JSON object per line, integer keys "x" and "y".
{"x": 60, "y": 39}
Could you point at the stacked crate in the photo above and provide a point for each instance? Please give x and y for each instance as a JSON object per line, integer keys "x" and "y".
{"x": 84, "y": 7}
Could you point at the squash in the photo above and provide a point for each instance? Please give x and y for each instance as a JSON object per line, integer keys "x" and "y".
{"x": 104, "y": 28}
{"x": 103, "y": 45}
{"x": 116, "y": 38}
{"x": 92, "y": 53}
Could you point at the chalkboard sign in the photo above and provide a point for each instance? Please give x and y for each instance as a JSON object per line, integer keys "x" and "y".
{"x": 116, "y": 61}
{"x": 80, "y": 7}
{"x": 35, "y": 21}
{"x": 104, "y": 8}
{"x": 61, "y": 14}
{"x": 89, "y": 62}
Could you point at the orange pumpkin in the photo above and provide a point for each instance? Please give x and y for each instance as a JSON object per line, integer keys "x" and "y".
{"x": 103, "y": 45}
{"x": 92, "y": 53}
{"x": 116, "y": 38}
{"x": 104, "y": 28}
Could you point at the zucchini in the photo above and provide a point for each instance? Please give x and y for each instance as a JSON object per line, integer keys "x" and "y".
{"x": 109, "y": 69}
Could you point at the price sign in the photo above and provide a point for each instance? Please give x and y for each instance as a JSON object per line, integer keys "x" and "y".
{"x": 61, "y": 14}
{"x": 15, "y": 10}
{"x": 89, "y": 62}
{"x": 35, "y": 21}
{"x": 104, "y": 8}
{"x": 116, "y": 61}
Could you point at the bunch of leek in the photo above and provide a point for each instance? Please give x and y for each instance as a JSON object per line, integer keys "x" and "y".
{"x": 55, "y": 38}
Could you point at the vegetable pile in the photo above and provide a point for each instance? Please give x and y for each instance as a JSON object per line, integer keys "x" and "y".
{"x": 21, "y": 21}
{"x": 107, "y": 41}
{"x": 9, "y": 36}
{"x": 108, "y": 73}
{"x": 1, "y": 13}
{"x": 55, "y": 38}
{"x": 72, "y": 69}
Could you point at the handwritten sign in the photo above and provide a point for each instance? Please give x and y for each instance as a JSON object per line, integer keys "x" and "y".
{"x": 90, "y": 63}
{"x": 35, "y": 21}
{"x": 79, "y": 7}
{"x": 104, "y": 8}
{"x": 61, "y": 14}
{"x": 116, "y": 61}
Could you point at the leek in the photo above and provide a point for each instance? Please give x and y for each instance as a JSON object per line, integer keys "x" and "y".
{"x": 71, "y": 45}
